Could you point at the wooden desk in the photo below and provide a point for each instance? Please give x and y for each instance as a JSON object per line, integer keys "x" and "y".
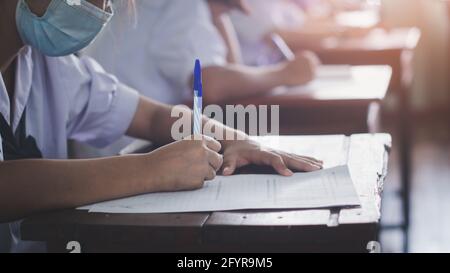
{"x": 393, "y": 47}
{"x": 330, "y": 106}
{"x": 319, "y": 230}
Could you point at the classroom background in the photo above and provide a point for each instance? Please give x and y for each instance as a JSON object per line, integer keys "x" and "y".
{"x": 430, "y": 115}
{"x": 413, "y": 37}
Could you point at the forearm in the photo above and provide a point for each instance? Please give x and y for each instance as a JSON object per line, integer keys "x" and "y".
{"x": 224, "y": 83}
{"x": 29, "y": 186}
{"x": 153, "y": 121}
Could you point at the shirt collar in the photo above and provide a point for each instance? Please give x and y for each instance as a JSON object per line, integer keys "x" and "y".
{"x": 4, "y": 100}
{"x": 23, "y": 81}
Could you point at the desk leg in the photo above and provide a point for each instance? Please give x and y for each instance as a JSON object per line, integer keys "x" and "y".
{"x": 405, "y": 158}
{"x": 373, "y": 118}
{"x": 406, "y": 140}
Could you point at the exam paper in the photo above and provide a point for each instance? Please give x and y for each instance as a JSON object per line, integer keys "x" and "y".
{"x": 326, "y": 188}
{"x": 334, "y": 71}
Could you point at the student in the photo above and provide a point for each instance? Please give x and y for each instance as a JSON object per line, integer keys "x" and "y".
{"x": 168, "y": 34}
{"x": 158, "y": 47}
{"x": 267, "y": 17}
{"x": 287, "y": 18}
{"x": 46, "y": 99}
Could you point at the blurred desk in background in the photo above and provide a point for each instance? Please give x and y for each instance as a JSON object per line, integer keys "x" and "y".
{"x": 394, "y": 47}
{"x": 335, "y": 105}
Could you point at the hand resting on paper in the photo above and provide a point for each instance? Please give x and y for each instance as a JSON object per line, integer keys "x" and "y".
{"x": 241, "y": 153}
{"x": 187, "y": 164}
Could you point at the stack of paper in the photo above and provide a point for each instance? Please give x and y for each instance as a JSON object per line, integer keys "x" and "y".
{"x": 326, "y": 188}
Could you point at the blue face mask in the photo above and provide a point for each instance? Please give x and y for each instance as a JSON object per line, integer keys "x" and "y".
{"x": 66, "y": 27}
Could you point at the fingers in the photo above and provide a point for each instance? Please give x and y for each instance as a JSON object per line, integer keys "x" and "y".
{"x": 279, "y": 165}
{"x": 213, "y": 148}
{"x": 276, "y": 161}
{"x": 209, "y": 142}
{"x": 301, "y": 164}
{"x": 310, "y": 160}
{"x": 210, "y": 174}
{"x": 212, "y": 144}
{"x": 215, "y": 160}
{"x": 229, "y": 165}
{"x": 284, "y": 163}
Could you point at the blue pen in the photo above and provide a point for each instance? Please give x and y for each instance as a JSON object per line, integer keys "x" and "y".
{"x": 198, "y": 98}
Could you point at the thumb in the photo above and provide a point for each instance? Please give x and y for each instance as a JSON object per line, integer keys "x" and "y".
{"x": 229, "y": 166}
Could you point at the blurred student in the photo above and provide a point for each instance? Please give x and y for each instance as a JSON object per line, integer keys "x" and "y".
{"x": 303, "y": 24}
{"x": 48, "y": 95}
{"x": 158, "y": 50}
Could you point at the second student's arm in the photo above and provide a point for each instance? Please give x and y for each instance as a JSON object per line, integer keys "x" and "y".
{"x": 231, "y": 81}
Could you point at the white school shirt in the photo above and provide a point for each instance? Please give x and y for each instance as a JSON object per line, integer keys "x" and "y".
{"x": 65, "y": 98}
{"x": 156, "y": 53}
{"x": 265, "y": 16}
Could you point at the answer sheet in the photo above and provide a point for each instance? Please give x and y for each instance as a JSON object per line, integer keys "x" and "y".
{"x": 326, "y": 188}
{"x": 344, "y": 83}
{"x": 334, "y": 71}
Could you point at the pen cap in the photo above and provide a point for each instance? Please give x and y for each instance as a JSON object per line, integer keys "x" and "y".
{"x": 198, "y": 78}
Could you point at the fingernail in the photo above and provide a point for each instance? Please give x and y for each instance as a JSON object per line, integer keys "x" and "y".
{"x": 288, "y": 172}
{"x": 226, "y": 171}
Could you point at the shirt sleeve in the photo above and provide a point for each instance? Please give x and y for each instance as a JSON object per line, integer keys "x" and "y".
{"x": 191, "y": 36}
{"x": 100, "y": 107}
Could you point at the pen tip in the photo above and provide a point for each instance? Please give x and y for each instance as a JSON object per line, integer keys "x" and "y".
{"x": 197, "y": 68}
{"x": 197, "y": 74}
{"x": 198, "y": 77}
